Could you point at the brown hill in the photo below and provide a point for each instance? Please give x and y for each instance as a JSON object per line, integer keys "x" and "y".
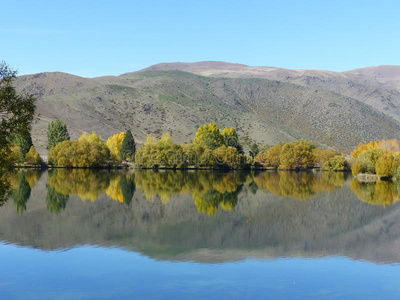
{"x": 323, "y": 106}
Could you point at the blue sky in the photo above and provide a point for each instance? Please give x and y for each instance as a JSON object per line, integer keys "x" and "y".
{"x": 94, "y": 38}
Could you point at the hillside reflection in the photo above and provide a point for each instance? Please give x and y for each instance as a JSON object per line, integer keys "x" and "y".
{"x": 205, "y": 216}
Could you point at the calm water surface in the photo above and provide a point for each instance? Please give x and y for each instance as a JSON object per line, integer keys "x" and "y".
{"x": 84, "y": 234}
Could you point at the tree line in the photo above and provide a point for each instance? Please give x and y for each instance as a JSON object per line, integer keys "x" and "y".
{"x": 381, "y": 158}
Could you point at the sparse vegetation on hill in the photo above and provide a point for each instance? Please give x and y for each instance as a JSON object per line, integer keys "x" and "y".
{"x": 152, "y": 102}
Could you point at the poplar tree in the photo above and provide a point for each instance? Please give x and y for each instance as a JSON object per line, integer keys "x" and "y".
{"x": 128, "y": 148}
{"x": 24, "y": 142}
{"x": 57, "y": 132}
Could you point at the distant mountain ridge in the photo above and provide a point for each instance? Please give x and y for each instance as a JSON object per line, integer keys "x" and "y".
{"x": 265, "y": 104}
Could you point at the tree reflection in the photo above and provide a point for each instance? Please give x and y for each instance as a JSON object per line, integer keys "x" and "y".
{"x": 33, "y": 176}
{"x": 56, "y": 202}
{"x": 5, "y": 188}
{"x": 210, "y": 190}
{"x": 85, "y": 183}
{"x": 383, "y": 193}
{"x": 300, "y": 185}
{"x": 121, "y": 188}
{"x": 163, "y": 184}
{"x": 90, "y": 184}
{"x": 21, "y": 193}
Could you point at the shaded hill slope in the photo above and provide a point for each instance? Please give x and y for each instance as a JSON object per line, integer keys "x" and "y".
{"x": 378, "y": 86}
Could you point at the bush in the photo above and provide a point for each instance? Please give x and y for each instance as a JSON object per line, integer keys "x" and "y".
{"x": 322, "y": 155}
{"x": 33, "y": 157}
{"x": 356, "y": 168}
{"x": 335, "y": 163}
{"x": 87, "y": 152}
{"x": 386, "y": 165}
{"x": 270, "y": 157}
{"x": 297, "y": 155}
{"x": 368, "y": 159}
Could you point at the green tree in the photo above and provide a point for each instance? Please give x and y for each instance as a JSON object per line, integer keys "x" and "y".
{"x": 254, "y": 150}
{"x": 335, "y": 163}
{"x": 57, "y": 132}
{"x": 231, "y": 138}
{"x": 209, "y": 136}
{"x": 128, "y": 148}
{"x": 24, "y": 142}
{"x": 368, "y": 159}
{"x": 16, "y": 113}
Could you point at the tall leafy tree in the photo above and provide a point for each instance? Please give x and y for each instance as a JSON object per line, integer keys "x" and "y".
{"x": 57, "y": 132}
{"x": 254, "y": 150}
{"x": 231, "y": 138}
{"x": 209, "y": 136}
{"x": 24, "y": 142}
{"x": 16, "y": 113}
{"x": 128, "y": 148}
{"x": 114, "y": 143}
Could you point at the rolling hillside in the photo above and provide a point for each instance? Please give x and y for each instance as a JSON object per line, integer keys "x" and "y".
{"x": 266, "y": 105}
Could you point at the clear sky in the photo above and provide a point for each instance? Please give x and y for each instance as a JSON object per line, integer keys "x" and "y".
{"x": 94, "y": 38}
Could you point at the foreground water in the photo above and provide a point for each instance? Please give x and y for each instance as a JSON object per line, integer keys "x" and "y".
{"x": 98, "y": 235}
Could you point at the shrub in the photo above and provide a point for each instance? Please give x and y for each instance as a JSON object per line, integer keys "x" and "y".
{"x": 368, "y": 159}
{"x": 335, "y": 163}
{"x": 270, "y": 157}
{"x": 297, "y": 155}
{"x": 33, "y": 157}
{"x": 356, "y": 168}
{"x": 89, "y": 151}
{"x": 364, "y": 147}
{"x": 386, "y": 165}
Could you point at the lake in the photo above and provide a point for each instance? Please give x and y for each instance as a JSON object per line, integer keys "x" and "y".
{"x": 84, "y": 234}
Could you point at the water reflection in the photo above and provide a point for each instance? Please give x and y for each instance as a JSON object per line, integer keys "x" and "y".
{"x": 382, "y": 193}
{"x": 209, "y": 190}
{"x": 300, "y": 185}
{"x": 205, "y": 216}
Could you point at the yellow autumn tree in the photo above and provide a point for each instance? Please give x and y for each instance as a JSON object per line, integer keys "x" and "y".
{"x": 87, "y": 152}
{"x": 209, "y": 136}
{"x": 271, "y": 157}
{"x": 33, "y": 157}
{"x": 297, "y": 155}
{"x": 322, "y": 155}
{"x": 364, "y": 147}
{"x": 114, "y": 143}
{"x": 386, "y": 165}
